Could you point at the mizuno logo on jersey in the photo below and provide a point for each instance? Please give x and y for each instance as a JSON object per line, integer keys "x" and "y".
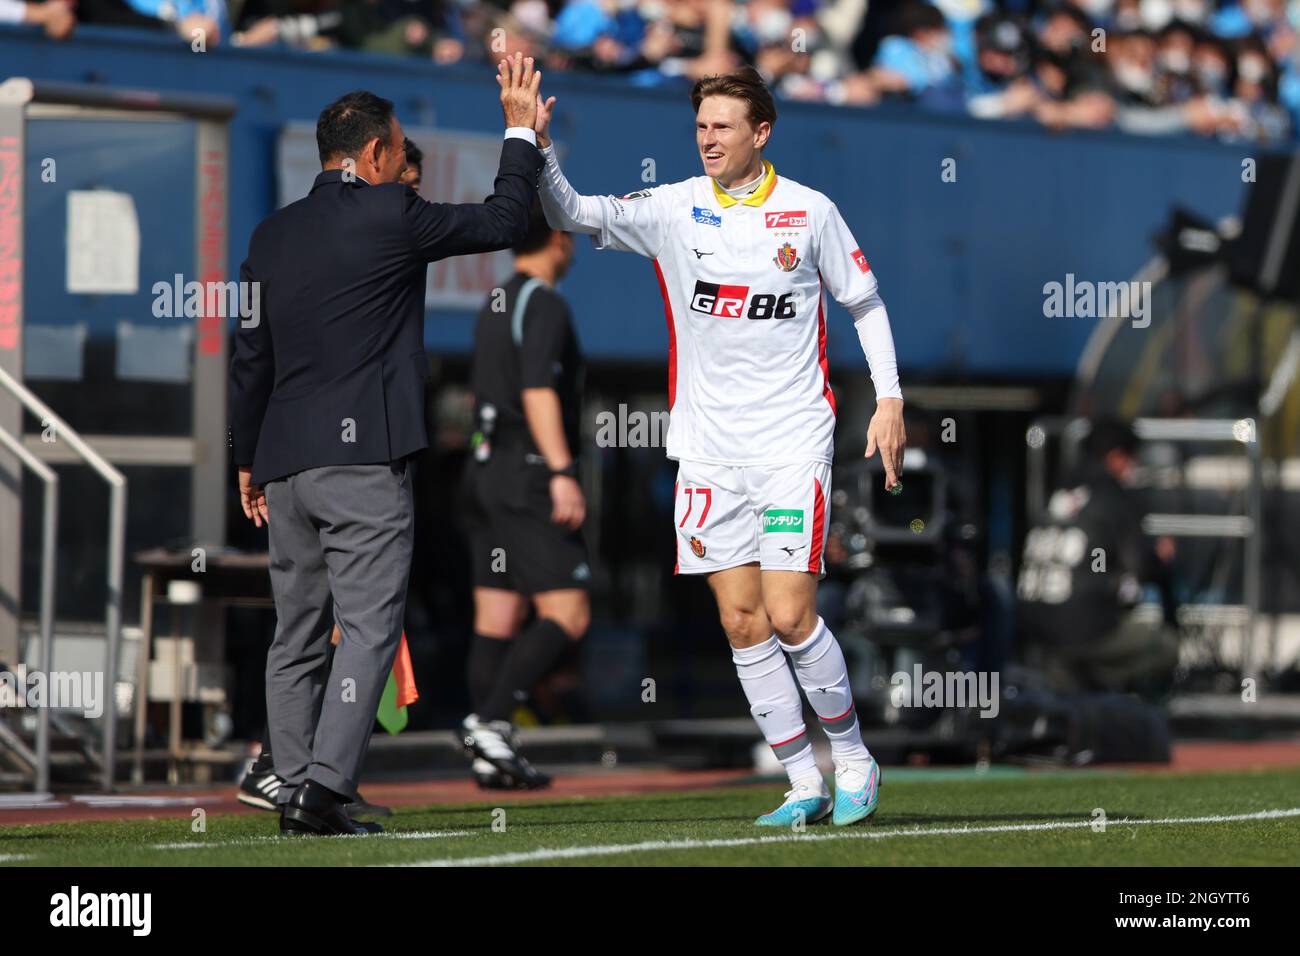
{"x": 724, "y": 300}
{"x": 863, "y": 266}
{"x": 786, "y": 220}
{"x": 706, "y": 217}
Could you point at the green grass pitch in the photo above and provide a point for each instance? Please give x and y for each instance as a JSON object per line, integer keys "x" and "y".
{"x": 935, "y": 817}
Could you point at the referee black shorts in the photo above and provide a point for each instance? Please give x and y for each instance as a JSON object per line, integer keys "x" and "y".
{"x": 514, "y": 545}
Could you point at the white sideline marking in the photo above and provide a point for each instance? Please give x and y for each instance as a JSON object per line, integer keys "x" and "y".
{"x": 13, "y": 857}
{"x": 254, "y": 841}
{"x": 112, "y": 800}
{"x": 567, "y": 853}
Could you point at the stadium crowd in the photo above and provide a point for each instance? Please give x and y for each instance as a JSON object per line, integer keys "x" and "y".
{"x": 1224, "y": 68}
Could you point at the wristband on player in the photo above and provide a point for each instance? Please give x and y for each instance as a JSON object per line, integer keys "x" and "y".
{"x": 568, "y": 471}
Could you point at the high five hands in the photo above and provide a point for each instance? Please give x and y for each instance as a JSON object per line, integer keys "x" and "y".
{"x": 519, "y": 90}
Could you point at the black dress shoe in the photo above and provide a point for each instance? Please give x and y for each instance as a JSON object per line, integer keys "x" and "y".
{"x": 315, "y": 810}
{"x": 361, "y": 807}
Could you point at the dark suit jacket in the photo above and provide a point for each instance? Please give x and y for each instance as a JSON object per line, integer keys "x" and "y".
{"x": 333, "y": 372}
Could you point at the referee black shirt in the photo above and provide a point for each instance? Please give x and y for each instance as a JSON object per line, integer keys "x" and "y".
{"x": 532, "y": 347}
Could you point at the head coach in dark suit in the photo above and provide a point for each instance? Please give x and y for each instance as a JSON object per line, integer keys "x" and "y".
{"x": 326, "y": 408}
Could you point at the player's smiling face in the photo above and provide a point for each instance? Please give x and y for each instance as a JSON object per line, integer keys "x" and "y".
{"x": 729, "y": 145}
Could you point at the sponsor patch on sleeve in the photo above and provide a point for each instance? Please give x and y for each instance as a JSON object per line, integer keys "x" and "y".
{"x": 639, "y": 194}
{"x": 861, "y": 261}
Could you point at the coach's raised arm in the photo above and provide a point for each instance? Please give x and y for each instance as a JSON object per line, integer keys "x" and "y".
{"x": 442, "y": 230}
{"x": 326, "y": 409}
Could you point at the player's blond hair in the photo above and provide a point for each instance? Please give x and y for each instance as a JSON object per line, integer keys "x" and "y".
{"x": 743, "y": 84}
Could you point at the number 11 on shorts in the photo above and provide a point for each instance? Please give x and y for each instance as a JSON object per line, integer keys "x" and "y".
{"x": 707, "y": 495}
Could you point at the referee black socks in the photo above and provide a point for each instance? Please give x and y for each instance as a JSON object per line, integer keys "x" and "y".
{"x": 532, "y": 655}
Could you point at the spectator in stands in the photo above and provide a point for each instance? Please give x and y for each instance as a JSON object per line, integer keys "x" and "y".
{"x": 1132, "y": 61}
{"x": 303, "y": 24}
{"x": 207, "y": 20}
{"x": 598, "y": 35}
{"x": 917, "y": 62}
{"x": 1255, "y": 92}
{"x": 1000, "y": 85}
{"x": 688, "y": 38}
{"x": 1064, "y": 30}
{"x": 1174, "y": 50}
{"x": 1246, "y": 17}
{"x": 55, "y": 17}
{"x": 425, "y": 28}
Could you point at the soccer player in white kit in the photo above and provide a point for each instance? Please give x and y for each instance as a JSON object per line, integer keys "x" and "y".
{"x": 744, "y": 258}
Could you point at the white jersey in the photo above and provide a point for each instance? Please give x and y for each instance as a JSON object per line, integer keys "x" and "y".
{"x": 744, "y": 284}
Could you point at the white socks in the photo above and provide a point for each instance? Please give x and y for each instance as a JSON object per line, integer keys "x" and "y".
{"x": 823, "y": 675}
{"x": 774, "y": 702}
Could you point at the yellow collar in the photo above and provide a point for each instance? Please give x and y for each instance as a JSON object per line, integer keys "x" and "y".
{"x": 757, "y": 197}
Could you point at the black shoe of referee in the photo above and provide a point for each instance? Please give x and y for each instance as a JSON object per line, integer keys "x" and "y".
{"x": 494, "y": 741}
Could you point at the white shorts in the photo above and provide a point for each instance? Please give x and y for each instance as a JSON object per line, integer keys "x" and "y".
{"x": 729, "y": 515}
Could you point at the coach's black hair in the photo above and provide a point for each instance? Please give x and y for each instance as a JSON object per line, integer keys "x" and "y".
{"x": 351, "y": 121}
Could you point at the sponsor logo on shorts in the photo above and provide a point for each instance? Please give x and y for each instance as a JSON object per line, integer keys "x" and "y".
{"x": 697, "y": 546}
{"x": 786, "y": 220}
{"x": 789, "y": 520}
{"x": 582, "y": 572}
{"x": 705, "y": 217}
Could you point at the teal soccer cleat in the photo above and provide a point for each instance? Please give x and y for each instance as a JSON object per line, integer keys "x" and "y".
{"x": 808, "y": 802}
{"x": 857, "y": 790}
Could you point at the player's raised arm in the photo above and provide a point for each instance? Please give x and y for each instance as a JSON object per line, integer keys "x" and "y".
{"x": 632, "y": 223}
{"x": 851, "y": 282}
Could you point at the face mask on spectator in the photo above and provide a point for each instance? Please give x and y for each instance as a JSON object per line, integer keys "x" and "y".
{"x": 1134, "y": 78}
{"x": 1097, "y": 9}
{"x": 773, "y": 26}
{"x": 1259, "y": 12}
{"x": 1252, "y": 69}
{"x": 1212, "y": 75}
{"x": 1156, "y": 13}
{"x": 652, "y": 10}
{"x": 1174, "y": 60}
{"x": 1128, "y": 19}
{"x": 532, "y": 15}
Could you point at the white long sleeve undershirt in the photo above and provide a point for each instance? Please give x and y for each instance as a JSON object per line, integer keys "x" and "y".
{"x": 564, "y": 208}
{"x": 872, "y": 322}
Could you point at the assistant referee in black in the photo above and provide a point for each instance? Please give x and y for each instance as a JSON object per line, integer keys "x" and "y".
{"x": 524, "y": 505}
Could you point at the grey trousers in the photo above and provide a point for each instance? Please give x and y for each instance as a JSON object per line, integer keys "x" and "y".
{"x": 340, "y": 541}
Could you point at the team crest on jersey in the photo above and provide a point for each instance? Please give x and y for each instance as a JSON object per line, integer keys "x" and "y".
{"x": 863, "y": 266}
{"x": 697, "y": 546}
{"x": 787, "y": 258}
{"x": 639, "y": 194}
{"x": 705, "y": 217}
